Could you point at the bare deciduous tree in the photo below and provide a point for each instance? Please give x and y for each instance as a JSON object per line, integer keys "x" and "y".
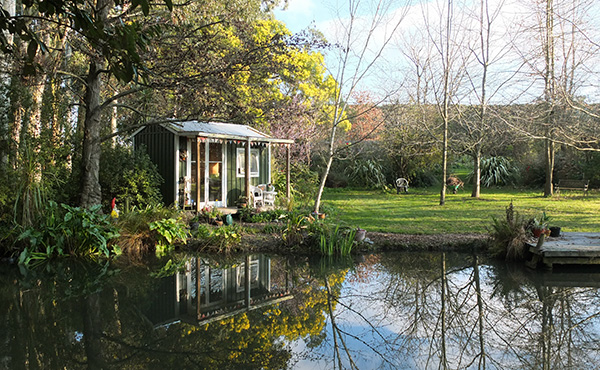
{"x": 478, "y": 130}
{"x": 562, "y": 61}
{"x": 361, "y": 42}
{"x": 446, "y": 38}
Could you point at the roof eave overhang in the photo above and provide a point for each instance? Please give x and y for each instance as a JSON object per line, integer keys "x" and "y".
{"x": 237, "y": 137}
{"x": 173, "y": 128}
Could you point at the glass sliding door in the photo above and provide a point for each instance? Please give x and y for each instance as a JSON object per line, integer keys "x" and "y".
{"x": 206, "y": 172}
{"x": 184, "y": 181}
{"x": 215, "y": 172}
{"x": 198, "y": 153}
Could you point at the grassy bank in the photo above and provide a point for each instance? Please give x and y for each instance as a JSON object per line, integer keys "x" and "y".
{"x": 419, "y": 212}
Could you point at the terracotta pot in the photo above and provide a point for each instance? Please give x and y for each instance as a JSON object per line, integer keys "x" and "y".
{"x": 538, "y": 232}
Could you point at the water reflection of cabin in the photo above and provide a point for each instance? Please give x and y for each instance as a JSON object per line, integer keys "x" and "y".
{"x": 223, "y": 291}
{"x": 223, "y": 172}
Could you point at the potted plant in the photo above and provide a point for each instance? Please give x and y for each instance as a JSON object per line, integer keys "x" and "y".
{"x": 242, "y": 202}
{"x": 216, "y": 216}
{"x": 319, "y": 215}
{"x": 212, "y": 215}
{"x": 540, "y": 225}
{"x": 555, "y": 231}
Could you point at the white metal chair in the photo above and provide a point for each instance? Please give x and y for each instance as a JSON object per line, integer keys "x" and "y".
{"x": 269, "y": 194}
{"x": 257, "y": 196}
{"x": 401, "y": 183}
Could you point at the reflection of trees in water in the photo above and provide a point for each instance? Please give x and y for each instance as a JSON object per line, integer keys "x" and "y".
{"x": 337, "y": 333}
{"x": 342, "y": 348}
{"x": 451, "y": 313}
{"x": 98, "y": 322}
{"x": 395, "y": 311}
{"x": 546, "y": 326}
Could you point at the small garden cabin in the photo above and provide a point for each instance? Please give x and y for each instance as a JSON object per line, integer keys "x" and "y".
{"x": 221, "y": 169}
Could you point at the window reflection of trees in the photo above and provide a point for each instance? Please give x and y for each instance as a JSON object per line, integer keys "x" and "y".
{"x": 211, "y": 284}
{"x": 241, "y": 276}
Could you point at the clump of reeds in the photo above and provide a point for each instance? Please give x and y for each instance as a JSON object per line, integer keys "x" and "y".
{"x": 336, "y": 241}
{"x": 509, "y": 236}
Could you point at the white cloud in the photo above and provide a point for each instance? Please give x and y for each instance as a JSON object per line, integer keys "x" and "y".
{"x": 512, "y": 29}
{"x": 302, "y": 8}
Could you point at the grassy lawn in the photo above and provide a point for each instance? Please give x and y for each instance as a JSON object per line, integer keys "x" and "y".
{"x": 419, "y": 212}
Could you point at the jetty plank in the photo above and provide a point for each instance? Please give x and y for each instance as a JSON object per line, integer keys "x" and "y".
{"x": 570, "y": 249}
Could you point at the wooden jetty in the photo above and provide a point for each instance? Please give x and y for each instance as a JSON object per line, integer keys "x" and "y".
{"x": 567, "y": 249}
{"x": 570, "y": 278}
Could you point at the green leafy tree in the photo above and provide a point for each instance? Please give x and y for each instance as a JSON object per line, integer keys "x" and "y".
{"x": 108, "y": 37}
{"x": 131, "y": 177}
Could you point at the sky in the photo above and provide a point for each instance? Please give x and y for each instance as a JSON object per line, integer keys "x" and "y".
{"x": 513, "y": 28}
{"x": 390, "y": 71}
{"x": 324, "y": 15}
{"x": 301, "y": 13}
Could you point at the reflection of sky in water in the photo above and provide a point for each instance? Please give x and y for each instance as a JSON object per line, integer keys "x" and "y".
{"x": 382, "y": 329}
{"x": 388, "y": 311}
{"x": 78, "y": 336}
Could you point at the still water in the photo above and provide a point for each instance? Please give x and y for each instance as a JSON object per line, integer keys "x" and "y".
{"x": 382, "y": 311}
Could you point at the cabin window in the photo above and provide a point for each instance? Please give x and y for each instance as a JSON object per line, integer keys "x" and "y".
{"x": 240, "y": 273}
{"x": 241, "y": 158}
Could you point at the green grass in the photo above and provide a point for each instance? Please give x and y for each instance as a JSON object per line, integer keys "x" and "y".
{"x": 419, "y": 212}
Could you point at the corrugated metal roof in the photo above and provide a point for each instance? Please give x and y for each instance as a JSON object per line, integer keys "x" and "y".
{"x": 216, "y": 128}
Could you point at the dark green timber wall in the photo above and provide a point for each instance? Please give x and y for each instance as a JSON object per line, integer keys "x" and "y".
{"x": 160, "y": 145}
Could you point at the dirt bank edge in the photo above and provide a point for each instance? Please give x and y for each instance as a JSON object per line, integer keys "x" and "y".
{"x": 376, "y": 241}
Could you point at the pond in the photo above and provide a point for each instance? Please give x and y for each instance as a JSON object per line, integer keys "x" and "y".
{"x": 380, "y": 311}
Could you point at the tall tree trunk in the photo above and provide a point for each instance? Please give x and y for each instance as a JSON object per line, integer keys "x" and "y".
{"x": 476, "y": 172}
{"x": 113, "y": 123}
{"x": 34, "y": 128}
{"x": 5, "y": 85}
{"x": 35, "y": 113}
{"x": 550, "y": 97}
{"x": 58, "y": 121}
{"x": 549, "y": 159}
{"x": 17, "y": 124}
{"x": 484, "y": 39}
{"x": 446, "y": 102}
{"x": 331, "y": 152}
{"x": 90, "y": 191}
{"x": 444, "y": 163}
{"x": 29, "y": 153}
{"x": 328, "y": 166}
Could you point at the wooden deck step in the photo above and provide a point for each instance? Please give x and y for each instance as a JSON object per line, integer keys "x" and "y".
{"x": 570, "y": 249}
